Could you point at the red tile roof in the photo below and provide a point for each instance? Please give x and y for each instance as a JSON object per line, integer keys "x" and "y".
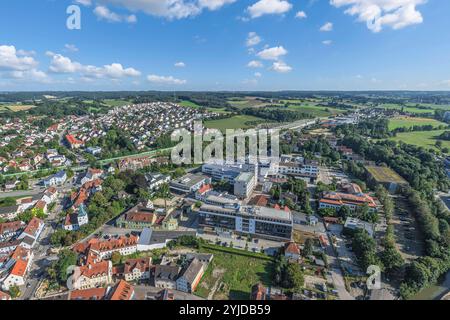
{"x": 20, "y": 268}
{"x": 142, "y": 264}
{"x": 259, "y": 200}
{"x": 10, "y": 226}
{"x": 33, "y": 226}
{"x": 292, "y": 248}
{"x": 89, "y": 294}
{"x": 123, "y": 291}
{"x": 72, "y": 140}
{"x": 95, "y": 270}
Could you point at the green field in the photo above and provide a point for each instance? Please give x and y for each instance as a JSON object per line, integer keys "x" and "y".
{"x": 235, "y": 272}
{"x": 407, "y": 122}
{"x": 425, "y": 139}
{"x": 116, "y": 103}
{"x": 412, "y": 108}
{"x": 235, "y": 122}
{"x": 189, "y": 104}
{"x": 249, "y": 102}
{"x": 315, "y": 110}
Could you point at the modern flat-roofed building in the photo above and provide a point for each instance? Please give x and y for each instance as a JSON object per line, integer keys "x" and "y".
{"x": 297, "y": 169}
{"x": 256, "y": 221}
{"x": 218, "y": 198}
{"x": 244, "y": 184}
{"x": 189, "y": 183}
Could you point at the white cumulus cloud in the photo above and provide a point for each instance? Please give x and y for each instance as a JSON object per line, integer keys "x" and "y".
{"x": 255, "y": 64}
{"x": 180, "y": 64}
{"x": 253, "y": 39}
{"x": 301, "y": 15}
{"x": 62, "y": 64}
{"x": 103, "y": 13}
{"x": 165, "y": 80}
{"x": 263, "y": 7}
{"x": 377, "y": 14}
{"x": 170, "y": 9}
{"x": 273, "y": 53}
{"x": 327, "y": 27}
{"x": 281, "y": 67}
{"x": 12, "y": 59}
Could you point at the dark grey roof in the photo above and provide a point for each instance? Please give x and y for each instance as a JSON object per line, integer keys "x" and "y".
{"x": 7, "y": 210}
{"x": 166, "y": 272}
{"x": 192, "y": 271}
{"x": 28, "y": 240}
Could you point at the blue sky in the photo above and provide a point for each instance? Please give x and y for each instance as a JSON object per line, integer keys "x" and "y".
{"x": 226, "y": 45}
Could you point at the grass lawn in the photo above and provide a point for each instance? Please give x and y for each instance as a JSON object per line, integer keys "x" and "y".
{"x": 425, "y": 139}
{"x": 235, "y": 122}
{"x": 236, "y": 271}
{"x": 408, "y": 122}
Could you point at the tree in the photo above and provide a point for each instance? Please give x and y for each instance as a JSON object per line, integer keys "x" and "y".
{"x": 345, "y": 212}
{"x": 116, "y": 258}
{"x": 391, "y": 259}
{"x": 164, "y": 193}
{"x": 308, "y": 247}
{"x": 66, "y": 258}
{"x": 295, "y": 276}
{"x": 14, "y": 292}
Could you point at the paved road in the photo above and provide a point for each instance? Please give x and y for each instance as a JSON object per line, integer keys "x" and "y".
{"x": 336, "y": 275}
{"x": 21, "y": 193}
{"x": 41, "y": 259}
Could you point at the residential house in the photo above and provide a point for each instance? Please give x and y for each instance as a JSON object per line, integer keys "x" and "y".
{"x": 93, "y": 275}
{"x": 10, "y": 229}
{"x": 123, "y": 291}
{"x": 57, "y": 179}
{"x": 32, "y": 231}
{"x": 91, "y": 175}
{"x": 20, "y": 260}
{"x": 89, "y": 294}
{"x": 75, "y": 220}
{"x": 137, "y": 269}
{"x": 156, "y": 180}
{"x": 292, "y": 251}
{"x": 138, "y": 217}
{"x": 104, "y": 249}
